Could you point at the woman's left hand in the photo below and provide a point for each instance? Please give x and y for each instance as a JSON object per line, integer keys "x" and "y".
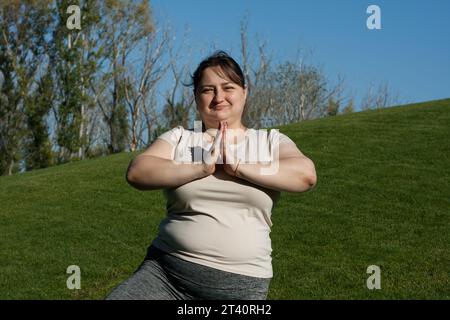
{"x": 230, "y": 166}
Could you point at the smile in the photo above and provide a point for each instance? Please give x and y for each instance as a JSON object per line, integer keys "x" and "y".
{"x": 217, "y": 108}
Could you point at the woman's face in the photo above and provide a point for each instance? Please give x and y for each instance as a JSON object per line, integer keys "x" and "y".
{"x": 219, "y": 99}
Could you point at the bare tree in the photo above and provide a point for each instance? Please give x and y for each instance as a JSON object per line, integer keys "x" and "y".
{"x": 286, "y": 92}
{"x": 378, "y": 97}
{"x": 150, "y": 119}
{"x": 124, "y": 28}
{"x": 179, "y": 98}
{"x": 141, "y": 81}
{"x": 349, "y": 107}
{"x": 296, "y": 92}
{"x": 256, "y": 69}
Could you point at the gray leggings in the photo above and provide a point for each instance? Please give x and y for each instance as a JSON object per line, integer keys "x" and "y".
{"x": 164, "y": 277}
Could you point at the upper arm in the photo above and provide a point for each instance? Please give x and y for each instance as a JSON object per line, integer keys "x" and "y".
{"x": 160, "y": 148}
{"x": 286, "y": 147}
{"x": 163, "y": 147}
{"x": 289, "y": 150}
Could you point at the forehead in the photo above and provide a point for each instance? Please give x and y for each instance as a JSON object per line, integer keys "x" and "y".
{"x": 214, "y": 75}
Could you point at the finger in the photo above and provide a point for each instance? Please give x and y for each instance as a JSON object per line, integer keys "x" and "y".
{"x": 218, "y": 140}
{"x": 215, "y": 148}
{"x": 218, "y": 134}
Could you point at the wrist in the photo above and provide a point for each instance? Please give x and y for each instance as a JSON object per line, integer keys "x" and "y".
{"x": 207, "y": 170}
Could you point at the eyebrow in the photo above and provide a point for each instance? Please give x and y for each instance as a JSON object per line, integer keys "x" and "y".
{"x": 222, "y": 84}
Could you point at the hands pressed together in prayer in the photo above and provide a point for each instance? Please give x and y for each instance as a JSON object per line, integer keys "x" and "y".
{"x": 220, "y": 147}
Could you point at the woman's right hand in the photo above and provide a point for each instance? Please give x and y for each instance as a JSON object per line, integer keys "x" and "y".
{"x": 210, "y": 159}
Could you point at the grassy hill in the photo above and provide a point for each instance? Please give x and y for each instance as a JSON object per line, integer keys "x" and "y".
{"x": 383, "y": 198}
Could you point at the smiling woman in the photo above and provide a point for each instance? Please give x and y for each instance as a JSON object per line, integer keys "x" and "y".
{"x": 214, "y": 242}
{"x": 220, "y": 91}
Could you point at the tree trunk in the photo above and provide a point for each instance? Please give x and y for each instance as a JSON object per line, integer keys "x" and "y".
{"x": 80, "y": 150}
{"x": 133, "y": 138}
{"x": 10, "y": 167}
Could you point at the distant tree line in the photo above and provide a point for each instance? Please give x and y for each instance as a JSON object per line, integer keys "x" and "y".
{"x": 73, "y": 94}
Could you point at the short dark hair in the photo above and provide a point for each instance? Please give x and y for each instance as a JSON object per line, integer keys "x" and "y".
{"x": 228, "y": 66}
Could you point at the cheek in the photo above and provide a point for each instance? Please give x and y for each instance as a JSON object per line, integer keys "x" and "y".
{"x": 203, "y": 100}
{"x": 239, "y": 98}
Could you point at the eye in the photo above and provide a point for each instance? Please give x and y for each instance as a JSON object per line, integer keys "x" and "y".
{"x": 207, "y": 90}
{"x": 229, "y": 88}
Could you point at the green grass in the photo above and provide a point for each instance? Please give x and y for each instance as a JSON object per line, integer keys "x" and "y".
{"x": 383, "y": 198}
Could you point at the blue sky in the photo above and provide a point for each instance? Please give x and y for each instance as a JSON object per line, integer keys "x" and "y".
{"x": 411, "y": 52}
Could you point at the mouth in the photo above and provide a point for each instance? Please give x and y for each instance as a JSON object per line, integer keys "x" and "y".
{"x": 217, "y": 108}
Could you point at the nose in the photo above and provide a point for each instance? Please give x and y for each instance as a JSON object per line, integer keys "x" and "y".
{"x": 219, "y": 95}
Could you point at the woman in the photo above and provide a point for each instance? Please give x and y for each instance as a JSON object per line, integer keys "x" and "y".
{"x": 221, "y": 185}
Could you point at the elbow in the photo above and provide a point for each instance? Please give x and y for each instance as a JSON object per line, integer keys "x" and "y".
{"x": 132, "y": 176}
{"x": 311, "y": 180}
{"x": 307, "y": 182}
{"x": 311, "y": 177}
{"x": 308, "y": 179}
{"x": 135, "y": 179}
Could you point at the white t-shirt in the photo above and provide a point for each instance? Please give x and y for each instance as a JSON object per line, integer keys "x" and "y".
{"x": 221, "y": 221}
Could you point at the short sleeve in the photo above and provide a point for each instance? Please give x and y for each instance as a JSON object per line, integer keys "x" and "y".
{"x": 277, "y": 138}
{"x": 285, "y": 139}
{"x": 172, "y": 136}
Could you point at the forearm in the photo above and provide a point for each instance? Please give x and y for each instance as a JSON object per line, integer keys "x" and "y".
{"x": 150, "y": 173}
{"x": 292, "y": 174}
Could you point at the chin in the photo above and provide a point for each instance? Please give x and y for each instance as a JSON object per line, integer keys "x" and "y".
{"x": 222, "y": 115}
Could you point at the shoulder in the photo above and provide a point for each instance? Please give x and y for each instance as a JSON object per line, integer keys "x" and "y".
{"x": 273, "y": 136}
{"x": 174, "y": 135}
